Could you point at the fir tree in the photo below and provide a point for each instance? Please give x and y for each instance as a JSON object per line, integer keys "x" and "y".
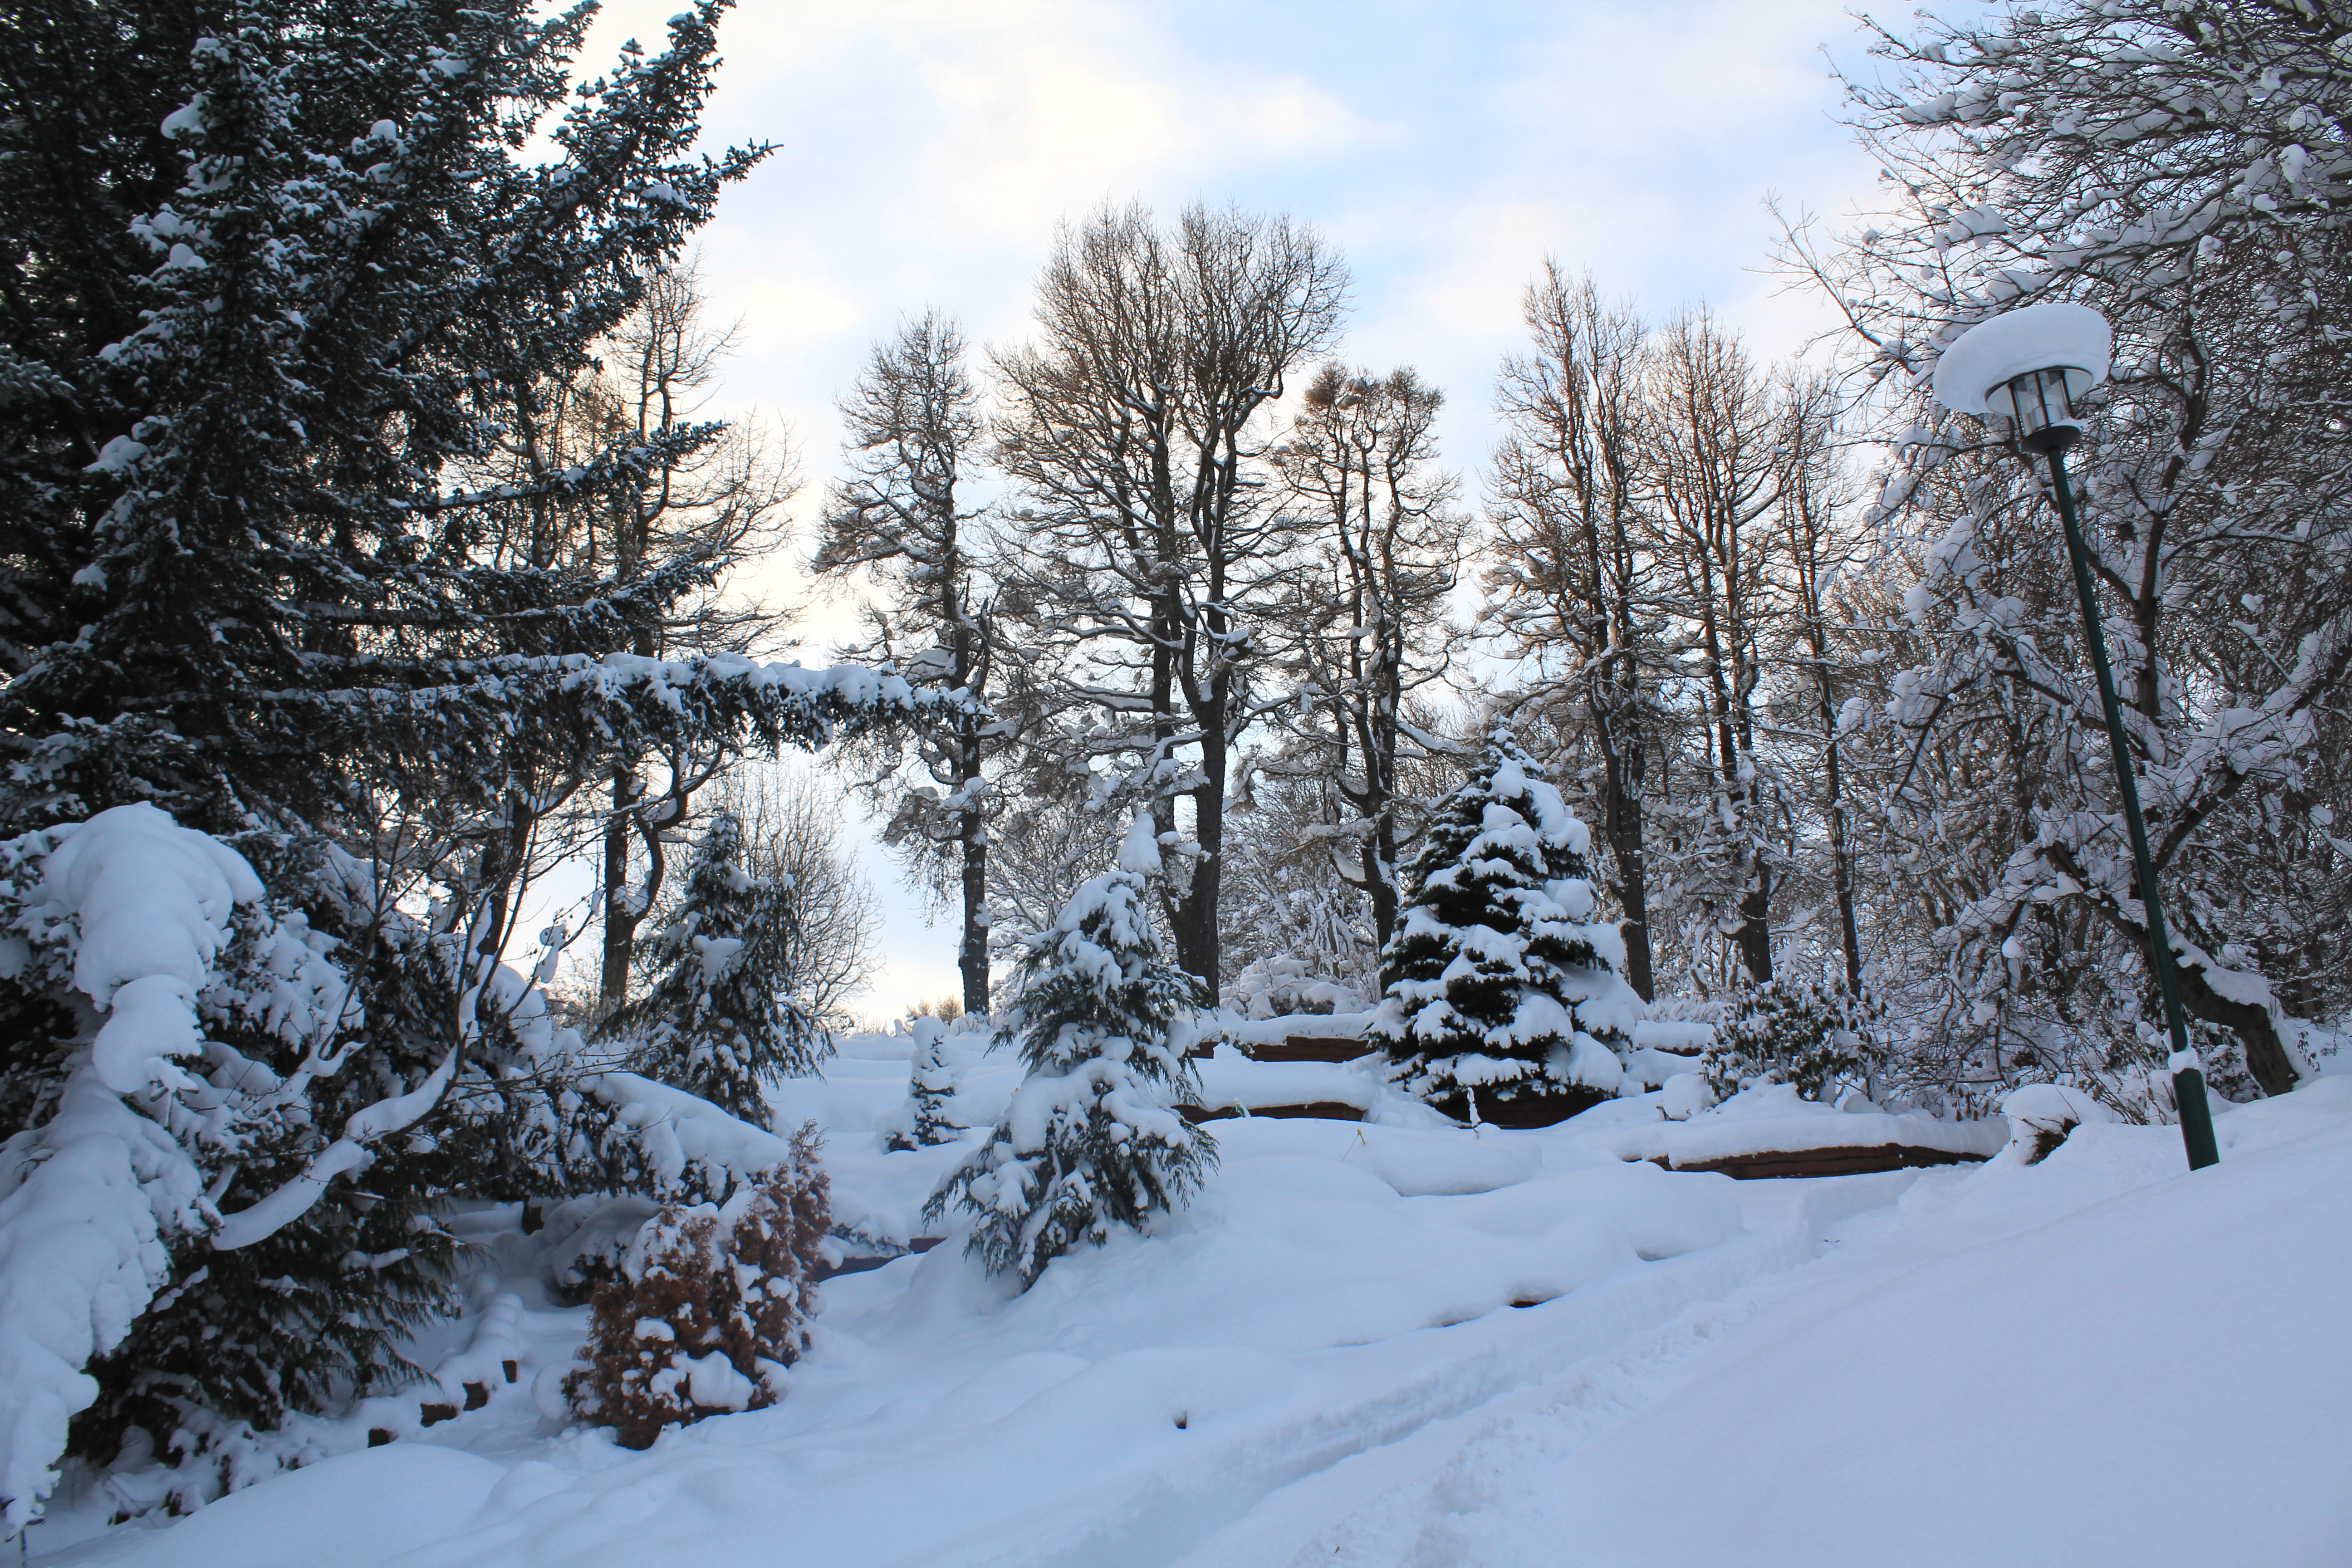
{"x": 1498, "y": 970}
{"x": 720, "y": 1018}
{"x": 1093, "y": 1137}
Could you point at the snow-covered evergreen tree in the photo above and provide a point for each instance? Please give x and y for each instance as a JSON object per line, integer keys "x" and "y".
{"x": 721, "y": 1016}
{"x": 1498, "y": 972}
{"x": 1093, "y": 1136}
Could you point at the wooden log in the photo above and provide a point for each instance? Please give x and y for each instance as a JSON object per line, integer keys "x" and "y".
{"x": 512, "y": 1370}
{"x": 434, "y": 1414}
{"x": 1311, "y": 1048}
{"x": 1525, "y": 1111}
{"x": 916, "y": 1247}
{"x": 379, "y": 1435}
{"x": 1847, "y": 1160}
{"x": 1322, "y": 1110}
{"x": 476, "y": 1395}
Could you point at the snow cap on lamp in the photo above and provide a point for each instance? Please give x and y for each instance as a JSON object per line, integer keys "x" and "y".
{"x": 2049, "y": 336}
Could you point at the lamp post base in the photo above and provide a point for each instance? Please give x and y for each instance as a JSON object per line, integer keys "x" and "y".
{"x": 2196, "y": 1119}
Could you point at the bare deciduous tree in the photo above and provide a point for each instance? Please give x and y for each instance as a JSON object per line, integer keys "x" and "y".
{"x": 711, "y": 512}
{"x": 1150, "y": 545}
{"x": 1819, "y": 541}
{"x": 791, "y": 833}
{"x": 1569, "y": 578}
{"x": 1711, "y": 479}
{"x": 1384, "y": 540}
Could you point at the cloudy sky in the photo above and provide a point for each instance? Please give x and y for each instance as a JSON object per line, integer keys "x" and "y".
{"x": 925, "y": 149}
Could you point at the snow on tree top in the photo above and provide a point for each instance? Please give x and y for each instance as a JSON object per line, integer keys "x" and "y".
{"x": 1140, "y": 852}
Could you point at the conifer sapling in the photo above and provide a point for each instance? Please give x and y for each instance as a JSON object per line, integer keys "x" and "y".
{"x": 928, "y": 1119}
{"x": 721, "y": 1017}
{"x": 1093, "y": 1137}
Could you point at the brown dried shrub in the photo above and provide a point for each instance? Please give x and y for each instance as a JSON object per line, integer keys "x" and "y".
{"x": 710, "y": 1305}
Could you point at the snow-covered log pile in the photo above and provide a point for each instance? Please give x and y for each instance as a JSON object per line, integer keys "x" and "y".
{"x": 1252, "y": 1034}
{"x": 1742, "y": 1135}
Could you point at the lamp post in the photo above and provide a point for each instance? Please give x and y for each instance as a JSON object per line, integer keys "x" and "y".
{"x": 2029, "y": 366}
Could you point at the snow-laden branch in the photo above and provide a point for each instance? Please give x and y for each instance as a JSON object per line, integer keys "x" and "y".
{"x": 369, "y": 1124}
{"x": 130, "y": 911}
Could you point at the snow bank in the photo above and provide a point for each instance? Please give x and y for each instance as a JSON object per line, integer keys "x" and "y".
{"x": 1773, "y": 1119}
{"x": 2143, "y": 1381}
{"x": 1228, "y": 1078}
{"x": 1383, "y": 1345}
{"x": 1272, "y": 1031}
{"x": 368, "y": 1506}
{"x": 2097, "y": 1359}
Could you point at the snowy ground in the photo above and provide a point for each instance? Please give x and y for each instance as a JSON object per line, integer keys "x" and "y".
{"x": 1388, "y": 1345}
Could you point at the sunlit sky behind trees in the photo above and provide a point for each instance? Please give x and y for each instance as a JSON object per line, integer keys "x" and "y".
{"x": 927, "y": 148}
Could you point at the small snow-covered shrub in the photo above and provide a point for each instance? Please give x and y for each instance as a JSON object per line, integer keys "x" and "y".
{"x": 1799, "y": 1033}
{"x": 927, "y": 1118}
{"x": 710, "y": 1305}
{"x": 1276, "y": 987}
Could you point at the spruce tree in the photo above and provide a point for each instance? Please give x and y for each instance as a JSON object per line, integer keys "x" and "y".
{"x": 721, "y": 1016}
{"x": 1498, "y": 970}
{"x": 1093, "y": 1136}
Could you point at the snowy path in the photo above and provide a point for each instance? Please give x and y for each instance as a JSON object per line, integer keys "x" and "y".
{"x": 1322, "y": 1363}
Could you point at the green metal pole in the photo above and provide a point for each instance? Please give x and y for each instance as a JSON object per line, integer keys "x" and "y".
{"x": 2187, "y": 1082}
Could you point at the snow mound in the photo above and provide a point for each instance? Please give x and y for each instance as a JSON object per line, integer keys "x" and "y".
{"x": 2100, "y": 1360}
{"x": 2085, "y": 1390}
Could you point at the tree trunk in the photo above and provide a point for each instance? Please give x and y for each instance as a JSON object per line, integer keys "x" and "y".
{"x": 1622, "y": 783}
{"x": 1755, "y": 937}
{"x": 620, "y": 918}
{"x": 1840, "y": 867}
{"x": 973, "y": 958}
{"x": 2267, "y": 1056}
{"x": 1379, "y": 877}
{"x": 1196, "y": 922}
